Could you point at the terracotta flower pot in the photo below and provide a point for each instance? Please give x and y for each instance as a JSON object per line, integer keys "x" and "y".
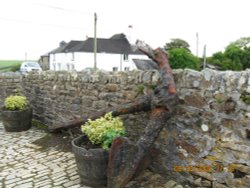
{"x": 16, "y": 121}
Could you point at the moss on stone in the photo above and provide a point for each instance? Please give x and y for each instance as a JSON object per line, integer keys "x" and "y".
{"x": 140, "y": 89}
{"x": 219, "y": 98}
{"x": 246, "y": 99}
{"x": 39, "y": 125}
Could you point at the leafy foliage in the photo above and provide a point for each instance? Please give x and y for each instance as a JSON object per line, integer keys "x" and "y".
{"x": 242, "y": 42}
{"x": 235, "y": 57}
{"x": 180, "y": 58}
{"x": 246, "y": 99}
{"x": 226, "y": 64}
{"x": 245, "y": 60}
{"x": 15, "y": 102}
{"x": 15, "y": 68}
{"x": 104, "y": 130}
{"x": 177, "y": 43}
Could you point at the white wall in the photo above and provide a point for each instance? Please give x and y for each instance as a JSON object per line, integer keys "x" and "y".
{"x": 61, "y": 61}
{"x": 80, "y": 61}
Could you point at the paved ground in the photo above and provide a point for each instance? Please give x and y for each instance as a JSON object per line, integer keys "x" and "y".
{"x": 24, "y": 164}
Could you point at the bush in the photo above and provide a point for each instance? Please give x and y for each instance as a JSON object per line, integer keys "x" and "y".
{"x": 104, "y": 130}
{"x": 180, "y": 58}
{"x": 15, "y": 68}
{"x": 246, "y": 99}
{"x": 15, "y": 102}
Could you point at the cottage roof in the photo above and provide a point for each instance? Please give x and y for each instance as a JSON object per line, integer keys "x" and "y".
{"x": 104, "y": 46}
{"x": 118, "y": 36}
{"x": 145, "y": 64}
{"x": 66, "y": 47}
{"x": 117, "y": 44}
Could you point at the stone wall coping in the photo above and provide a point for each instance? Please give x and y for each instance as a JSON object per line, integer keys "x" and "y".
{"x": 136, "y": 76}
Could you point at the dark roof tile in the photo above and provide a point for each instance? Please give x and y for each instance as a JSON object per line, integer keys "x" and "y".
{"x": 117, "y": 44}
{"x": 103, "y": 46}
{"x": 143, "y": 64}
{"x": 118, "y": 36}
{"x": 66, "y": 47}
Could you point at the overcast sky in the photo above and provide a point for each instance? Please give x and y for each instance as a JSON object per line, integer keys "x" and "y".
{"x": 36, "y": 27}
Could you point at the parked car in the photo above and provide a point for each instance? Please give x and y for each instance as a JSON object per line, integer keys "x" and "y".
{"x": 28, "y": 66}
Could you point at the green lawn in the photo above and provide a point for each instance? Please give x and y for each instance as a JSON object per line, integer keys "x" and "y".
{"x": 7, "y": 65}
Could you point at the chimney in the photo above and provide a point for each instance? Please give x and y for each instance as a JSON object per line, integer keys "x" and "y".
{"x": 62, "y": 43}
{"x": 129, "y": 34}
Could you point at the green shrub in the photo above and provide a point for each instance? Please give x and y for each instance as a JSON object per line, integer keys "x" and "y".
{"x": 180, "y": 58}
{"x": 246, "y": 99}
{"x": 140, "y": 89}
{"x": 104, "y": 130}
{"x": 15, "y": 68}
{"x": 15, "y": 102}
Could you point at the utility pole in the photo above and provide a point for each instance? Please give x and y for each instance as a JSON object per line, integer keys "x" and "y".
{"x": 204, "y": 57}
{"x": 197, "y": 44}
{"x": 26, "y": 56}
{"x": 95, "y": 41}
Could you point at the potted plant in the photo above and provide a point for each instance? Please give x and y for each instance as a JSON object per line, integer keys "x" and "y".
{"x": 91, "y": 149}
{"x": 16, "y": 114}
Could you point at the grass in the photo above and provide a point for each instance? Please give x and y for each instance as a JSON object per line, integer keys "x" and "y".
{"x": 8, "y": 65}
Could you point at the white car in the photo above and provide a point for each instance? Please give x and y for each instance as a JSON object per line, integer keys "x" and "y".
{"x": 28, "y": 66}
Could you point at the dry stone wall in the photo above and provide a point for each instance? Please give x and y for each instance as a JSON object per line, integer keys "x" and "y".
{"x": 10, "y": 83}
{"x": 62, "y": 96}
{"x": 206, "y": 143}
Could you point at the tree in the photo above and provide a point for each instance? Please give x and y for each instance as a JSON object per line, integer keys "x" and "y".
{"x": 219, "y": 56}
{"x": 177, "y": 43}
{"x": 246, "y": 58}
{"x": 235, "y": 57}
{"x": 235, "y": 54}
{"x": 242, "y": 42}
{"x": 241, "y": 51}
{"x": 225, "y": 62}
{"x": 180, "y": 58}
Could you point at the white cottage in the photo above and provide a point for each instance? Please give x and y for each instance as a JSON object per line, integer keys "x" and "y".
{"x": 113, "y": 54}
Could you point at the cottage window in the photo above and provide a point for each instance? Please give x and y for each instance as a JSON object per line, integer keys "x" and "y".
{"x": 54, "y": 57}
{"x": 115, "y": 69}
{"x": 72, "y": 66}
{"x": 125, "y": 57}
{"x": 126, "y": 68}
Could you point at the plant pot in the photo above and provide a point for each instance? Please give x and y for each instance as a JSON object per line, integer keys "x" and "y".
{"x": 16, "y": 121}
{"x": 92, "y": 163}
